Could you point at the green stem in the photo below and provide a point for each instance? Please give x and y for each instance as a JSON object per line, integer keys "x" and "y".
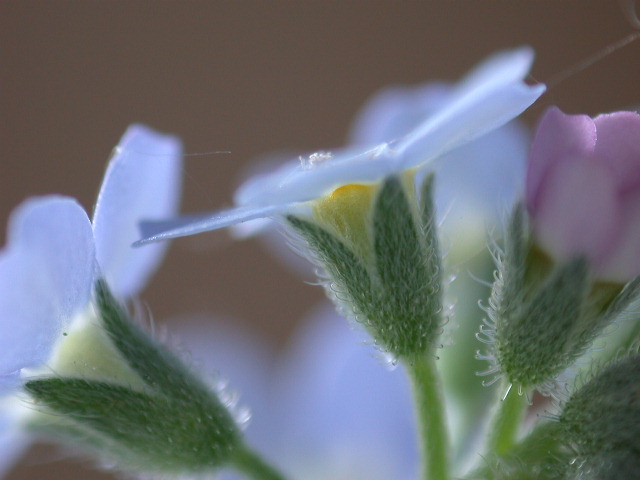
{"x": 253, "y": 466}
{"x": 431, "y": 418}
{"x": 507, "y": 419}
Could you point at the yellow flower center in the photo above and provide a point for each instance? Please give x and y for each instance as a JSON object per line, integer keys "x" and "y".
{"x": 346, "y": 212}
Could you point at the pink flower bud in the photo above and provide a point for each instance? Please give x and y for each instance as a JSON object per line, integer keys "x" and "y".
{"x": 583, "y": 191}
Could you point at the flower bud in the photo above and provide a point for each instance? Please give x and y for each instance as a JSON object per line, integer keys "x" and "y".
{"x": 380, "y": 252}
{"x": 601, "y": 423}
{"x": 543, "y": 314}
{"x": 583, "y": 191}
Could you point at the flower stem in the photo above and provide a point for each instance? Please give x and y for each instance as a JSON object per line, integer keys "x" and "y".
{"x": 430, "y": 412}
{"x": 506, "y": 422}
{"x": 253, "y": 466}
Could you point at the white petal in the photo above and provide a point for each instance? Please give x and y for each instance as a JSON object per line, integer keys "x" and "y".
{"x": 142, "y": 182}
{"x": 181, "y": 227}
{"x": 46, "y": 276}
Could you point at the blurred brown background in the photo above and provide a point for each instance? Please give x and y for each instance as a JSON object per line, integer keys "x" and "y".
{"x": 252, "y": 77}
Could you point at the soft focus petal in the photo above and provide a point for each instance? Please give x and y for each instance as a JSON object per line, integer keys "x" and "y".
{"x": 142, "y": 182}
{"x": 577, "y": 212}
{"x": 46, "y": 276}
{"x": 558, "y": 136}
{"x": 395, "y": 111}
{"x": 180, "y": 227}
{"x": 479, "y": 182}
{"x": 623, "y": 259}
{"x": 344, "y": 415}
{"x": 13, "y": 439}
{"x": 618, "y": 146}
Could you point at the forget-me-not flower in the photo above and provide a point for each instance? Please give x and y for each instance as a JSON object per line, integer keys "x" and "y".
{"x": 489, "y": 96}
{"x": 55, "y": 253}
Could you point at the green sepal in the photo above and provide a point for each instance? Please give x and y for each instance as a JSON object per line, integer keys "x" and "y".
{"x": 138, "y": 430}
{"x": 509, "y": 287}
{"x": 536, "y": 339}
{"x": 158, "y": 367}
{"x": 408, "y": 267}
{"x": 351, "y": 283}
{"x": 397, "y": 296}
{"x": 601, "y": 422}
{"x": 539, "y": 456}
{"x": 166, "y": 421}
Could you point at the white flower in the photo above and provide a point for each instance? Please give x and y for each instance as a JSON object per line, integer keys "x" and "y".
{"x": 488, "y": 97}
{"x": 54, "y": 253}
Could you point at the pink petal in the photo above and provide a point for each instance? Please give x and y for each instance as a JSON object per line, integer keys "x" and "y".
{"x": 623, "y": 261}
{"x": 577, "y": 211}
{"x": 558, "y": 136}
{"x": 618, "y": 146}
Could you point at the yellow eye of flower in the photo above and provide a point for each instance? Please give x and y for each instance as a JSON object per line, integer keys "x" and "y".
{"x": 347, "y": 212}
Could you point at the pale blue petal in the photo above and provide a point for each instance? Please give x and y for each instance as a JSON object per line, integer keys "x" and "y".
{"x": 479, "y": 182}
{"x": 46, "y": 275}
{"x": 9, "y": 382}
{"x": 153, "y": 231}
{"x": 502, "y": 68}
{"x": 295, "y": 183}
{"x": 341, "y": 403}
{"x": 469, "y": 117}
{"x": 142, "y": 182}
{"x": 491, "y": 95}
{"x": 394, "y": 111}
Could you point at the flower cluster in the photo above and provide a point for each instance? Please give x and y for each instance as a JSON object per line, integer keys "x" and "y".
{"x": 427, "y": 170}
